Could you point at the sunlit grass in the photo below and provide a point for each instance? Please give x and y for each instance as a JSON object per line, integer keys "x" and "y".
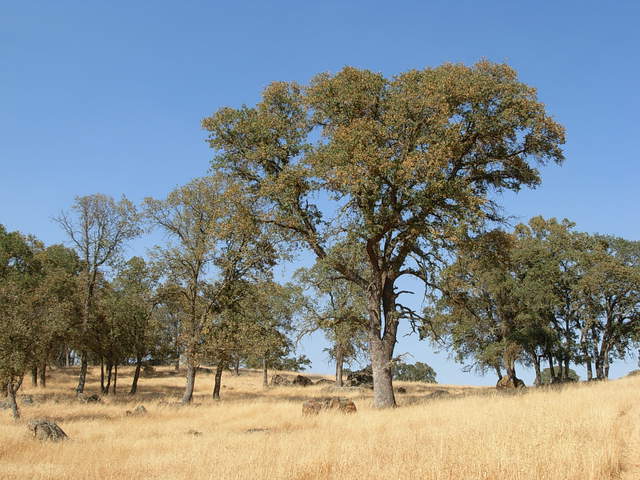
{"x": 253, "y": 433}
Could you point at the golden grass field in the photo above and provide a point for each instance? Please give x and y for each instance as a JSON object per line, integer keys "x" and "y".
{"x": 581, "y": 432}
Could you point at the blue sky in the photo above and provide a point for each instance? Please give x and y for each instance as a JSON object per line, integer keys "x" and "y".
{"x": 108, "y": 96}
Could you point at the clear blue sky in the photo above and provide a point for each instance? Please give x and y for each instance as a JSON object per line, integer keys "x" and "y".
{"x": 108, "y": 96}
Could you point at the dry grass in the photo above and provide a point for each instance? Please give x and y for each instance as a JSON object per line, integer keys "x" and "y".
{"x": 575, "y": 433}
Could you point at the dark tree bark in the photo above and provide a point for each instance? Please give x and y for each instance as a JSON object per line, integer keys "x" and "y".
{"x": 265, "y": 378}
{"x": 107, "y": 386}
{"x": 83, "y": 372}
{"x": 339, "y": 365}
{"x": 136, "y": 376}
{"x": 43, "y": 375}
{"x": 34, "y": 376}
{"x": 191, "y": 381}
{"x": 12, "y": 388}
{"x": 536, "y": 366}
{"x": 218, "y": 380}
{"x": 102, "y": 374}
{"x": 498, "y": 371}
{"x": 552, "y": 370}
{"x": 115, "y": 377}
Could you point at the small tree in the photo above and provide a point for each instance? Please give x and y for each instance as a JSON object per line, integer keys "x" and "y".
{"x": 213, "y": 231}
{"x": 98, "y": 227}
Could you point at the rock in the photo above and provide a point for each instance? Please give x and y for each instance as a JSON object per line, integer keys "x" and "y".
{"x": 84, "y": 398}
{"x": 507, "y": 382}
{"x": 325, "y": 381}
{"x": 439, "y": 394}
{"x": 256, "y": 430}
{"x": 278, "y": 380}
{"x": 137, "y": 412}
{"x": 195, "y": 433}
{"x": 314, "y": 407}
{"x": 401, "y": 390}
{"x": 362, "y": 377}
{"x": 27, "y": 399}
{"x": 311, "y": 407}
{"x": 302, "y": 381}
{"x": 46, "y": 430}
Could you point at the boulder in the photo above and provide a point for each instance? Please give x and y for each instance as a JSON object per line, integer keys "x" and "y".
{"x": 46, "y": 430}
{"x": 314, "y": 407}
{"x": 401, "y": 390}
{"x": 359, "y": 378}
{"x": 311, "y": 407}
{"x": 139, "y": 411}
{"x": 84, "y": 398}
{"x": 439, "y": 394}
{"x": 278, "y": 380}
{"x": 325, "y": 381}
{"x": 302, "y": 381}
{"x": 506, "y": 383}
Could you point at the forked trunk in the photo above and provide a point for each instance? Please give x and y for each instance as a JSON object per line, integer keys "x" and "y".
{"x": 191, "y": 381}
{"x": 83, "y": 372}
{"x": 11, "y": 396}
{"x": 218, "y": 380}
{"x": 136, "y": 376}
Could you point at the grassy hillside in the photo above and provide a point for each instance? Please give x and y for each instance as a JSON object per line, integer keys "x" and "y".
{"x": 581, "y": 432}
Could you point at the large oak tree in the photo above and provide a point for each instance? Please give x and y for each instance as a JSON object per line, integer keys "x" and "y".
{"x": 391, "y": 168}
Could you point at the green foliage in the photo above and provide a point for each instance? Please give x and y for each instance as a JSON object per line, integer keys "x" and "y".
{"x": 420, "y": 372}
{"x": 547, "y": 378}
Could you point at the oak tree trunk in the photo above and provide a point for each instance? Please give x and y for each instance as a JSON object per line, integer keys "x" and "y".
{"x": 115, "y": 377}
{"x": 218, "y": 380}
{"x": 265, "y": 379}
{"x": 83, "y": 372}
{"x": 11, "y": 396}
{"x": 191, "y": 381}
{"x": 339, "y": 366}
{"x": 136, "y": 376}
{"x": 34, "y": 376}
{"x": 43, "y": 375}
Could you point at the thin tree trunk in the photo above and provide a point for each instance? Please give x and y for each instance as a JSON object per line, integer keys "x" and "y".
{"x": 115, "y": 377}
{"x": 498, "y": 371}
{"x": 536, "y": 366}
{"x": 102, "y": 374}
{"x": 566, "y": 370}
{"x": 43, "y": 375}
{"x": 83, "y": 372}
{"x": 191, "y": 381}
{"x": 218, "y": 380}
{"x": 34, "y": 376}
{"x": 339, "y": 366}
{"x": 67, "y": 357}
{"x": 265, "y": 379}
{"x": 589, "y": 368}
{"x": 11, "y": 395}
{"x": 108, "y": 384}
{"x": 136, "y": 376}
{"x": 236, "y": 367}
{"x": 552, "y": 371}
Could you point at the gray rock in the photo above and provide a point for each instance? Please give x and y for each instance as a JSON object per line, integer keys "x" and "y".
{"x": 46, "y": 430}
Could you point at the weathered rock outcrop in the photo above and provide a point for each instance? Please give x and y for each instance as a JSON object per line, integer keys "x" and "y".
{"x": 302, "y": 381}
{"x": 507, "y": 382}
{"x": 314, "y": 407}
{"x": 46, "y": 430}
{"x": 360, "y": 378}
